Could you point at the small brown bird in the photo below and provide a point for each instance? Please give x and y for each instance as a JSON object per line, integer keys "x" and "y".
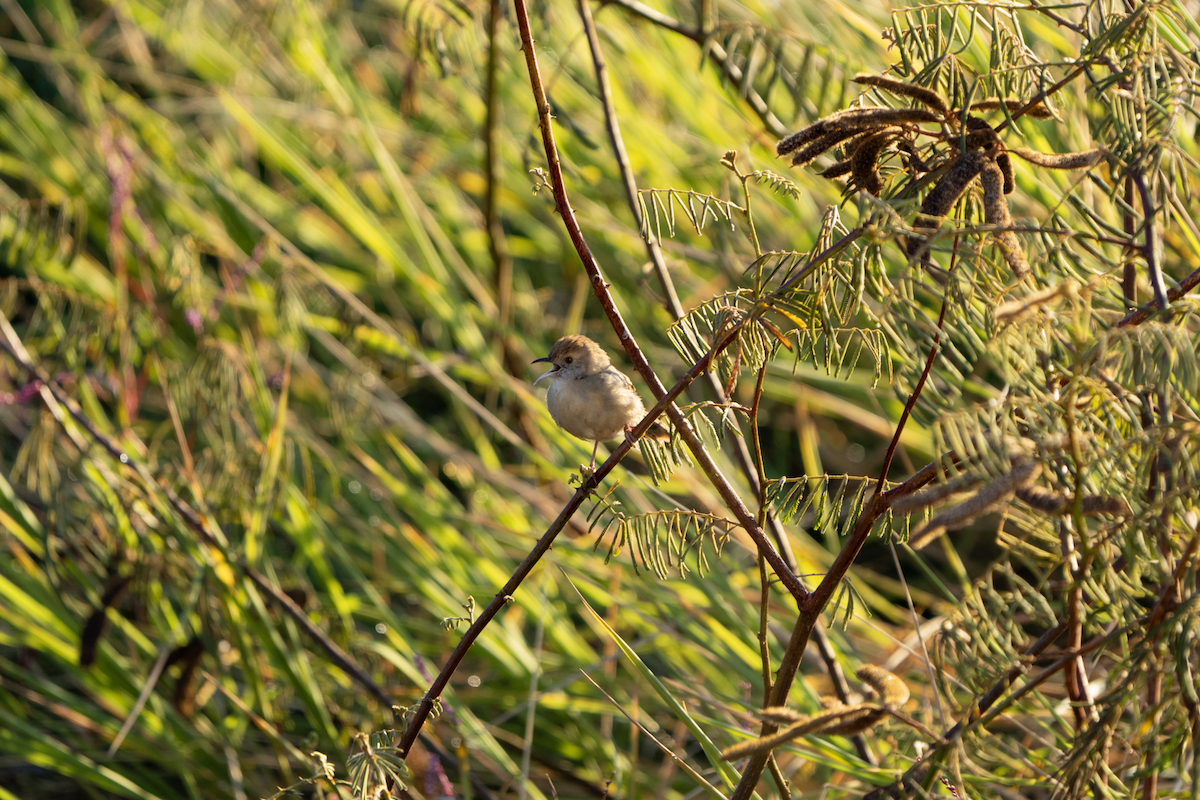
{"x": 588, "y": 397}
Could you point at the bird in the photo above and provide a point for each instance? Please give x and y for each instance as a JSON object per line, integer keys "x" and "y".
{"x": 590, "y": 398}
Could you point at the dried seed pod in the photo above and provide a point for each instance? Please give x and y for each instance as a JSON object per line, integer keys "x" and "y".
{"x": 856, "y": 120}
{"x": 878, "y": 117}
{"x": 837, "y": 170}
{"x": 1056, "y": 504}
{"x": 949, "y": 188}
{"x": 864, "y": 164}
{"x": 1058, "y": 160}
{"x": 852, "y": 720}
{"x": 1040, "y": 111}
{"x": 922, "y": 95}
{"x": 1094, "y": 506}
{"x": 782, "y": 714}
{"x": 995, "y": 212}
{"x": 840, "y": 720}
{"x": 892, "y": 691}
{"x": 923, "y": 499}
{"x": 945, "y": 193}
{"x": 1004, "y": 162}
{"x": 978, "y": 504}
{"x": 820, "y": 145}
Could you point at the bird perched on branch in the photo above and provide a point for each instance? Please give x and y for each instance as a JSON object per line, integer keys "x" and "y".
{"x": 590, "y": 398}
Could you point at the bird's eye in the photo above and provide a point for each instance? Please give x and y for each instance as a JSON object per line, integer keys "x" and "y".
{"x": 569, "y": 359}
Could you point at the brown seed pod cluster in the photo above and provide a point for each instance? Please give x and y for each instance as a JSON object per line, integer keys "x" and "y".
{"x": 983, "y": 136}
{"x": 976, "y": 152}
{"x": 810, "y": 142}
{"x": 864, "y": 163}
{"x": 836, "y": 718}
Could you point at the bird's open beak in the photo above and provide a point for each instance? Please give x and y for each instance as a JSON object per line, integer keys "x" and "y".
{"x": 548, "y": 372}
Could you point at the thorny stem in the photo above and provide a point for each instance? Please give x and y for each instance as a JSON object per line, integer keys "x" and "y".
{"x": 600, "y": 290}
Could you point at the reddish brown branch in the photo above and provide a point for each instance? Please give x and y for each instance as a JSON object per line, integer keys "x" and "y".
{"x": 1142, "y": 314}
{"x": 600, "y": 290}
{"x": 810, "y": 611}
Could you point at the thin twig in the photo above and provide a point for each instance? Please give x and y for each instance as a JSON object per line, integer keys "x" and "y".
{"x": 1153, "y": 247}
{"x": 1142, "y": 314}
{"x": 501, "y": 262}
{"x": 933, "y": 684}
{"x": 1153, "y": 697}
{"x": 1035, "y": 102}
{"x": 136, "y": 711}
{"x": 1075, "y": 675}
{"x": 627, "y": 179}
{"x": 688, "y": 768}
{"x": 764, "y": 601}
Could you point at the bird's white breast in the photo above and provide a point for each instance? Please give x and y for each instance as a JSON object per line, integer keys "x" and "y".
{"x": 596, "y": 407}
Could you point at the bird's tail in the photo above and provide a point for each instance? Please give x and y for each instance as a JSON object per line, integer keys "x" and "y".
{"x": 659, "y": 431}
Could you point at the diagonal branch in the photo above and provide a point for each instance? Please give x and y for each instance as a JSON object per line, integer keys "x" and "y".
{"x": 810, "y": 612}
{"x": 741, "y": 453}
{"x": 600, "y": 290}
